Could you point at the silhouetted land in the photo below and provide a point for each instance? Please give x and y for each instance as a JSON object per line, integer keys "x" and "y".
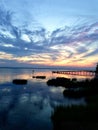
{"x": 76, "y": 117}
{"x": 74, "y": 88}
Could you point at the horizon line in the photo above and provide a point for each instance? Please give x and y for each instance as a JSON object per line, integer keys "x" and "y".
{"x": 51, "y": 67}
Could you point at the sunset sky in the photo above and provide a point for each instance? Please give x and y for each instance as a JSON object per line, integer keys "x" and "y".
{"x": 36, "y": 33}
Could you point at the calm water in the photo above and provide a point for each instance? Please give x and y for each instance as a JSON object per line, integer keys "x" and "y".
{"x": 29, "y": 107}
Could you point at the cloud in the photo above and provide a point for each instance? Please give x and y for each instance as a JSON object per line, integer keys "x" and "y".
{"x": 92, "y": 53}
{"x": 38, "y": 46}
{"x": 5, "y": 17}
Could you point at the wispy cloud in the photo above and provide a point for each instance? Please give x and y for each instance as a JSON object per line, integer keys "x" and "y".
{"x": 38, "y": 46}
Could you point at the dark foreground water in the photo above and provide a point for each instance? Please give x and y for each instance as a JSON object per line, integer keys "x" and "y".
{"x": 29, "y": 107}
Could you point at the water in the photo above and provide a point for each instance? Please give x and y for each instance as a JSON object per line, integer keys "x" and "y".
{"x": 29, "y": 107}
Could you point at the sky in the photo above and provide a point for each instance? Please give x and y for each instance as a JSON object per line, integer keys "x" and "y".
{"x": 39, "y": 33}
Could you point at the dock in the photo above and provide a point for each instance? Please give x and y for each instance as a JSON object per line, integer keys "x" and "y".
{"x": 76, "y": 72}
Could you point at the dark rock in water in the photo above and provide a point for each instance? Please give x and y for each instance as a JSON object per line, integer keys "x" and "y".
{"x": 74, "y": 80}
{"x": 39, "y": 77}
{"x": 20, "y": 81}
{"x": 59, "y": 81}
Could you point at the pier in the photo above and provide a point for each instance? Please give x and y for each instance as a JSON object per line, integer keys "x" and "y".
{"x": 77, "y": 72}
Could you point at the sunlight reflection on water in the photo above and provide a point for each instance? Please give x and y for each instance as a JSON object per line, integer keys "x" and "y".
{"x": 27, "y": 107}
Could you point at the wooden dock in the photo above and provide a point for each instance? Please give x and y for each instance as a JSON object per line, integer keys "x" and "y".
{"x": 77, "y": 72}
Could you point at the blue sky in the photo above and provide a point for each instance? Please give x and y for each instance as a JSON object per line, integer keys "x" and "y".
{"x": 48, "y": 33}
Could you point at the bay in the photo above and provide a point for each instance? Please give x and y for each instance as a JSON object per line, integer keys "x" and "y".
{"x": 29, "y": 107}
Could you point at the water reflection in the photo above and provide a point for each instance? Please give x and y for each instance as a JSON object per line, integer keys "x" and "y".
{"x": 25, "y": 111}
{"x": 6, "y": 75}
{"x": 29, "y": 107}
